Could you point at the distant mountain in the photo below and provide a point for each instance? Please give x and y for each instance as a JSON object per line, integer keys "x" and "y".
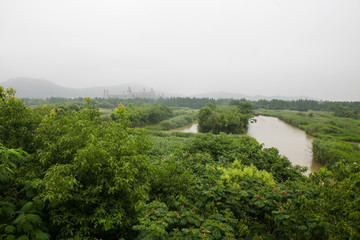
{"x": 37, "y": 88}
{"x": 217, "y": 95}
{"x": 40, "y": 88}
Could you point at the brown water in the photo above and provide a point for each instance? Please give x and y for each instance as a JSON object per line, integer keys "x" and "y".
{"x": 291, "y": 142}
{"x": 188, "y": 128}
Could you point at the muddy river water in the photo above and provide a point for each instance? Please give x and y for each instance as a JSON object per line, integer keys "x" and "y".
{"x": 292, "y": 142}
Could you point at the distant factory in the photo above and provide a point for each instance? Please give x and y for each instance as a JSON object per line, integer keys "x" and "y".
{"x": 129, "y": 94}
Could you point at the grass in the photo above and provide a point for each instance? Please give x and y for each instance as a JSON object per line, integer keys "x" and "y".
{"x": 105, "y": 113}
{"x": 165, "y": 143}
{"x": 337, "y": 139}
{"x": 182, "y": 118}
{"x": 320, "y": 124}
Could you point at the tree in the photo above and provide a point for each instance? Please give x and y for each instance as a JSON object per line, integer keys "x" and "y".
{"x": 95, "y": 173}
{"x": 228, "y": 119}
{"x": 20, "y": 215}
{"x": 17, "y": 121}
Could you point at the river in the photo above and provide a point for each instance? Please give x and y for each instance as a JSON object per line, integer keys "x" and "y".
{"x": 291, "y": 142}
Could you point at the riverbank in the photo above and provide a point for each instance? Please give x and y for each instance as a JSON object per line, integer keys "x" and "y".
{"x": 291, "y": 142}
{"x": 185, "y": 118}
{"x": 191, "y": 128}
{"x": 319, "y": 124}
{"x": 336, "y": 139}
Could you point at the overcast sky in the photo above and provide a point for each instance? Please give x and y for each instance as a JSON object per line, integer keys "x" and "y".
{"x": 267, "y": 47}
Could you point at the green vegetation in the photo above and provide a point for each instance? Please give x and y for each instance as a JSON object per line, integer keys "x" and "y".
{"x": 176, "y": 102}
{"x": 69, "y": 174}
{"x": 340, "y": 109}
{"x": 147, "y": 114}
{"x": 320, "y": 124}
{"x": 227, "y": 119}
{"x": 337, "y": 144}
{"x": 179, "y": 121}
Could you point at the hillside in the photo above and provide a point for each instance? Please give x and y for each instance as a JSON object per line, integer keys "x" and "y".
{"x": 40, "y": 88}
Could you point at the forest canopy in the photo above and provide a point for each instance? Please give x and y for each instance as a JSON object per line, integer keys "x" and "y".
{"x": 65, "y": 173}
{"x": 227, "y": 119}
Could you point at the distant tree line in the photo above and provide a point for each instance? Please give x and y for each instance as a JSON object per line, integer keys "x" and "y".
{"x": 340, "y": 109}
{"x": 194, "y": 103}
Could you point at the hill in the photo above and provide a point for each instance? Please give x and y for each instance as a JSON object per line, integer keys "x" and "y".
{"x": 41, "y": 88}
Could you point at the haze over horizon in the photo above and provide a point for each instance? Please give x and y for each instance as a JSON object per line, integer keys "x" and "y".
{"x": 265, "y": 47}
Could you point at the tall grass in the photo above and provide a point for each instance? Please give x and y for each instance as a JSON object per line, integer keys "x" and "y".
{"x": 320, "y": 124}
{"x": 337, "y": 139}
{"x": 178, "y": 121}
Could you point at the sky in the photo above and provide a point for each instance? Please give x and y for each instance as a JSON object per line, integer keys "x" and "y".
{"x": 254, "y": 47}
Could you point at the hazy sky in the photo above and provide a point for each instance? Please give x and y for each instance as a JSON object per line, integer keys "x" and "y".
{"x": 268, "y": 47}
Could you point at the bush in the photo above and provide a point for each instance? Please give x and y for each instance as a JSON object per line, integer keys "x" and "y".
{"x": 178, "y": 121}
{"x": 227, "y": 119}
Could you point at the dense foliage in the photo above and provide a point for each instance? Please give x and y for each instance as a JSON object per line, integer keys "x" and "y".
{"x": 321, "y": 124}
{"x": 83, "y": 178}
{"x": 146, "y": 114}
{"x": 340, "y": 109}
{"x": 179, "y": 121}
{"x": 337, "y": 142}
{"x": 227, "y": 119}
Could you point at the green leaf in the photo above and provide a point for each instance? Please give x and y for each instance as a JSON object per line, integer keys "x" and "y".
{"x": 40, "y": 235}
{"x": 23, "y": 237}
{"x": 9, "y": 229}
